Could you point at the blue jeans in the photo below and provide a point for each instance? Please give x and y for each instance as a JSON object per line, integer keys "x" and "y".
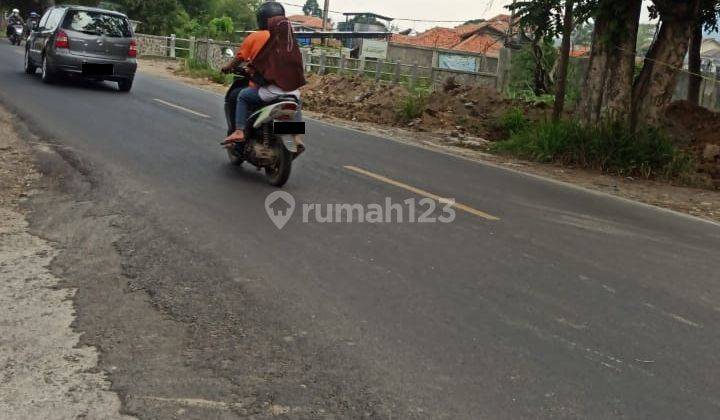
{"x": 249, "y": 99}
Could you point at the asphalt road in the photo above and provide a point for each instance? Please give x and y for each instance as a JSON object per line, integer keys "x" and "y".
{"x": 571, "y": 304}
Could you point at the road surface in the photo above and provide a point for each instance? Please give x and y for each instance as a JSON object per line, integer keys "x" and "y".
{"x": 539, "y": 301}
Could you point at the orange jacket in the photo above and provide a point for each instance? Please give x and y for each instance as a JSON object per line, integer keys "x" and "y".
{"x": 252, "y": 45}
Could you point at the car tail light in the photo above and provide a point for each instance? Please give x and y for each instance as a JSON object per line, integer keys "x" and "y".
{"x": 132, "y": 52}
{"x": 62, "y": 40}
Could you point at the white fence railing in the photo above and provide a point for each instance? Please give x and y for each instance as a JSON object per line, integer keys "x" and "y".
{"x": 322, "y": 62}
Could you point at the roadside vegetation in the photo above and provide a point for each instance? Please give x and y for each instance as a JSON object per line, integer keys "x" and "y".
{"x": 201, "y": 70}
{"x": 413, "y": 104}
{"x": 609, "y": 116}
{"x": 611, "y": 146}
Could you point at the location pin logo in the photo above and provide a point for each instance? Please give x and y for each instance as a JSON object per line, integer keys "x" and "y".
{"x": 280, "y": 206}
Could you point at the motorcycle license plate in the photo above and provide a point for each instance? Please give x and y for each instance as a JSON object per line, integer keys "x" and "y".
{"x": 288, "y": 127}
{"x": 91, "y": 69}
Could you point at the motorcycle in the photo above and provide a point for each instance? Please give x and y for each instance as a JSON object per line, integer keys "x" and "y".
{"x": 16, "y": 34}
{"x": 270, "y": 133}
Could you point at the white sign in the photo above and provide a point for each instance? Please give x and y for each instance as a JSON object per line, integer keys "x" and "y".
{"x": 457, "y": 62}
{"x": 372, "y": 48}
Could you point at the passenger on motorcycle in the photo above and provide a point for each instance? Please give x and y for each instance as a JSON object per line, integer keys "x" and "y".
{"x": 274, "y": 63}
{"x": 14, "y": 19}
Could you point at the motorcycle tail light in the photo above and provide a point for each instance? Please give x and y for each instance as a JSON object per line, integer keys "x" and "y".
{"x": 62, "y": 40}
{"x": 289, "y": 107}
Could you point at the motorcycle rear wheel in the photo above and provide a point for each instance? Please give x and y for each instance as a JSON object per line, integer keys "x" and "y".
{"x": 279, "y": 174}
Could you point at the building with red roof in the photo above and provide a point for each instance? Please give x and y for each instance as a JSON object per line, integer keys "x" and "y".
{"x": 485, "y": 38}
{"x": 308, "y": 22}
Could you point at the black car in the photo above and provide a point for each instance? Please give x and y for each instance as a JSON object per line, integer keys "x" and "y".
{"x": 83, "y": 41}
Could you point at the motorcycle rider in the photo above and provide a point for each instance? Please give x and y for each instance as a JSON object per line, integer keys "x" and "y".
{"x": 33, "y": 21}
{"x": 14, "y": 19}
{"x": 275, "y": 64}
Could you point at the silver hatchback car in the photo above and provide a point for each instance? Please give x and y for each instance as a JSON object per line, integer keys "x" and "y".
{"x": 92, "y": 43}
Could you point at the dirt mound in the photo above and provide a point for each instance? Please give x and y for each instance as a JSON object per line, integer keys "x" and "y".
{"x": 456, "y": 109}
{"x": 475, "y": 110}
{"x": 698, "y": 129}
{"x": 354, "y": 98}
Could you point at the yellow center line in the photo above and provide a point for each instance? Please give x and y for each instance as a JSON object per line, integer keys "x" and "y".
{"x": 181, "y": 108}
{"x": 423, "y": 193}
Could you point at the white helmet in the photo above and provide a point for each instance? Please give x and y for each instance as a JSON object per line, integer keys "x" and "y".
{"x": 15, "y": 12}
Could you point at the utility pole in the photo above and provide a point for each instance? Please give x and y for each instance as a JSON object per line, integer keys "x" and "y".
{"x": 326, "y": 9}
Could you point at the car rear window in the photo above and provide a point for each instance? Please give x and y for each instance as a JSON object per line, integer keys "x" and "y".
{"x": 97, "y": 23}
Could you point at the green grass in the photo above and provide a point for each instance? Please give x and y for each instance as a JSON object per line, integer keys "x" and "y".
{"x": 611, "y": 147}
{"x": 528, "y": 96}
{"x": 201, "y": 70}
{"x": 413, "y": 104}
{"x": 513, "y": 121}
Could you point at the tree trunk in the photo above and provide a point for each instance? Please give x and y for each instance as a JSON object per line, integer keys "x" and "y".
{"x": 540, "y": 87}
{"x": 655, "y": 86}
{"x": 564, "y": 61}
{"x": 694, "y": 64}
{"x": 608, "y": 83}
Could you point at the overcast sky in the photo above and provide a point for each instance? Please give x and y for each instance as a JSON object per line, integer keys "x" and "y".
{"x": 461, "y": 10}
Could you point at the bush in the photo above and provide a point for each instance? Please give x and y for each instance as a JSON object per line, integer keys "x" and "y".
{"x": 513, "y": 121}
{"x": 413, "y": 104}
{"x": 528, "y": 96}
{"x": 201, "y": 70}
{"x": 611, "y": 146}
{"x": 522, "y": 69}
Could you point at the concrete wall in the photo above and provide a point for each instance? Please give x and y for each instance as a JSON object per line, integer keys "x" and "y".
{"x": 152, "y": 45}
{"x": 427, "y": 57}
{"x": 212, "y": 52}
{"x": 203, "y": 50}
{"x": 709, "y": 90}
{"x": 423, "y": 57}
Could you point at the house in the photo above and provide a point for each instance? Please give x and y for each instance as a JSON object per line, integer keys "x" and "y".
{"x": 433, "y": 38}
{"x": 302, "y": 23}
{"x": 579, "y": 51}
{"x": 486, "y": 38}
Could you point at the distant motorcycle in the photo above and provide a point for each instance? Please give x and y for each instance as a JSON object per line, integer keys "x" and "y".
{"x": 16, "y": 34}
{"x": 269, "y": 135}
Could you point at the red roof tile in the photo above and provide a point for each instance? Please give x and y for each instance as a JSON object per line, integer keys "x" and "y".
{"x": 485, "y": 44}
{"x": 483, "y": 38}
{"x": 307, "y": 21}
{"x": 580, "y": 51}
{"x": 435, "y": 37}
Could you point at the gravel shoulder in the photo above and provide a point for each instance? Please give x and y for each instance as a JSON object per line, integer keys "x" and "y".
{"x": 697, "y": 202}
{"x": 46, "y": 373}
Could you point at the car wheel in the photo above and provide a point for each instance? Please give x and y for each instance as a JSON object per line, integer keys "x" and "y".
{"x": 48, "y": 76}
{"x": 30, "y": 68}
{"x": 125, "y": 85}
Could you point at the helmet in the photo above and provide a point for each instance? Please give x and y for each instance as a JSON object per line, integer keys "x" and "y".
{"x": 15, "y": 12}
{"x": 268, "y": 10}
{"x": 34, "y": 15}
